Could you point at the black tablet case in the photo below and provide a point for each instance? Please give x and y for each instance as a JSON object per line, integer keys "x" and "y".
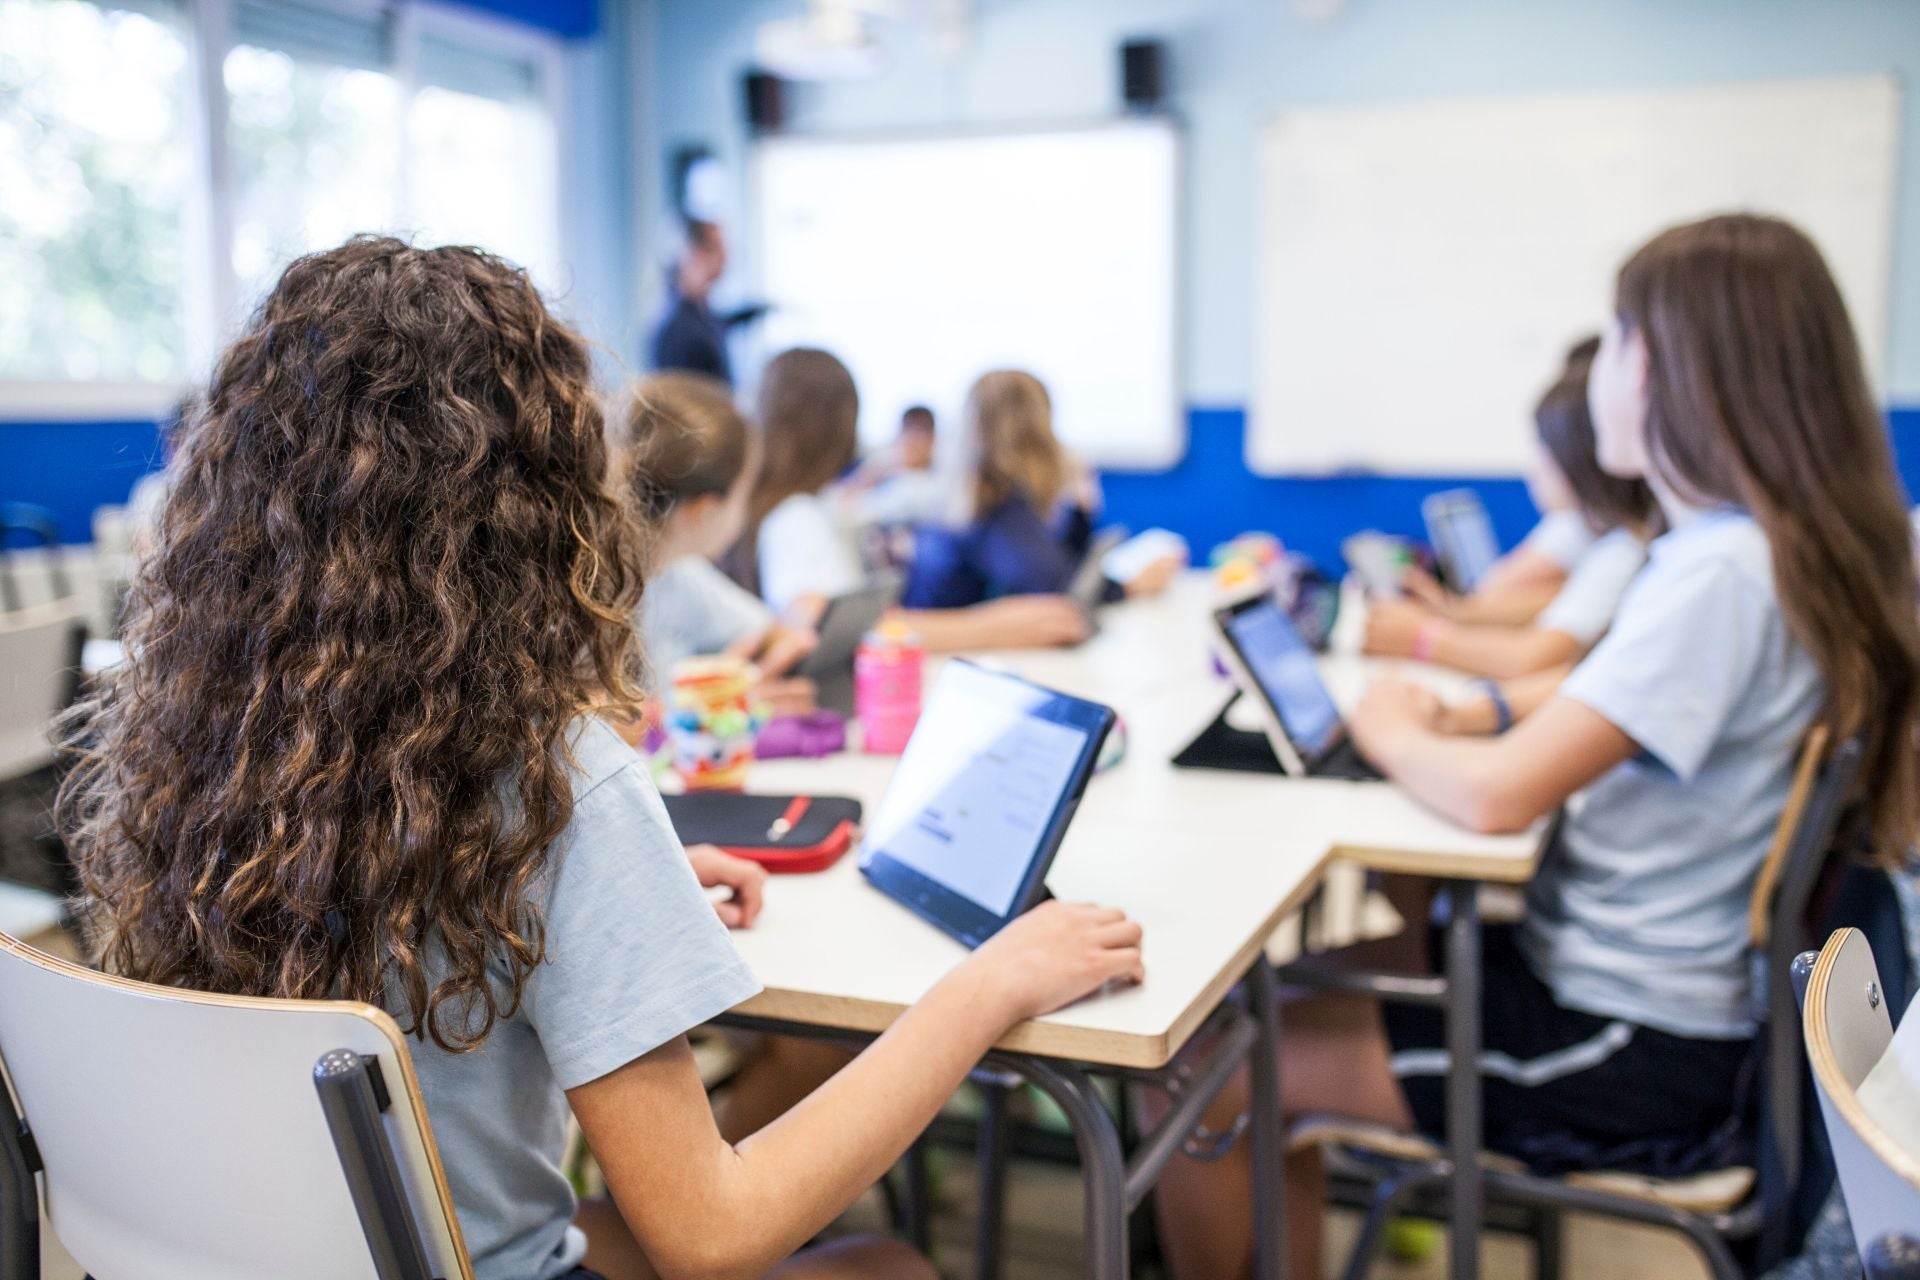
{"x": 1223, "y": 746}
{"x": 736, "y": 821}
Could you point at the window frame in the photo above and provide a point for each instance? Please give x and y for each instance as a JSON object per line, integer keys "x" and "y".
{"x": 211, "y": 288}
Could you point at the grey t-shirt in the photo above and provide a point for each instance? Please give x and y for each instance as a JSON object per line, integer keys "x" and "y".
{"x": 692, "y": 609}
{"x": 635, "y": 957}
{"x": 1640, "y": 908}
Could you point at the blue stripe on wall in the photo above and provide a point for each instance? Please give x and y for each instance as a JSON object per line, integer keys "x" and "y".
{"x": 73, "y": 467}
{"x": 573, "y": 19}
{"x": 1211, "y": 496}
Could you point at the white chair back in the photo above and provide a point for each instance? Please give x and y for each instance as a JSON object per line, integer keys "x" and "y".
{"x": 1847, "y": 1032}
{"x": 36, "y": 660}
{"x": 185, "y": 1136}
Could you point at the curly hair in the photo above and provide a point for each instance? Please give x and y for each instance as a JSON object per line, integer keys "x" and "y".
{"x": 388, "y": 579}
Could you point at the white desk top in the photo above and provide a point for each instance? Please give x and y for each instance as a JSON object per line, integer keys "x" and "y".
{"x": 1209, "y": 862}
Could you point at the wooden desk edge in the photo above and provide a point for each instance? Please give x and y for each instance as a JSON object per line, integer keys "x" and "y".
{"x": 1045, "y": 1039}
{"x": 1444, "y": 866}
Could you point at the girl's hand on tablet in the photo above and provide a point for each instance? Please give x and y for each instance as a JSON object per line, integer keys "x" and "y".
{"x": 747, "y": 881}
{"x": 1422, "y": 586}
{"x": 1057, "y": 953}
{"x": 1392, "y": 626}
{"x": 1035, "y": 622}
{"x": 778, "y": 649}
{"x": 1392, "y": 707}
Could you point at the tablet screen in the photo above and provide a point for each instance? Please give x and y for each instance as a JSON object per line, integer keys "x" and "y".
{"x": 1280, "y": 661}
{"x": 1462, "y": 536}
{"x": 978, "y": 786}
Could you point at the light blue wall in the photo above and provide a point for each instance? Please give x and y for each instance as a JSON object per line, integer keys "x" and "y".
{"x": 1235, "y": 62}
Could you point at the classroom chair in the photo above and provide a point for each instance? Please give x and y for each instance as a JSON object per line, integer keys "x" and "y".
{"x": 39, "y": 654}
{"x": 1713, "y": 1209}
{"x": 114, "y": 561}
{"x": 185, "y": 1136}
{"x": 1847, "y": 1029}
{"x": 20, "y": 520}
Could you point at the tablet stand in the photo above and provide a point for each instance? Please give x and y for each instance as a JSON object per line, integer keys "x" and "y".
{"x": 1222, "y": 746}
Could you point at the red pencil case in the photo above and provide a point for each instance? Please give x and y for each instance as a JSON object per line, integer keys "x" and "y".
{"x": 819, "y": 831}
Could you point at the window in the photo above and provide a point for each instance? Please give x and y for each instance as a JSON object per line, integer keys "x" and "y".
{"x": 96, "y": 166}
{"x": 483, "y": 158}
{"x": 315, "y": 158}
{"x": 127, "y": 253}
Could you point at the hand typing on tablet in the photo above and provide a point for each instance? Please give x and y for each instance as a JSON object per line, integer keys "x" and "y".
{"x": 1059, "y": 952}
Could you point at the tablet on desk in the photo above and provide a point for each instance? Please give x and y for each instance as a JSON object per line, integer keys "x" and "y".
{"x": 1088, "y": 588}
{"x": 981, "y": 799}
{"x": 1275, "y": 667}
{"x": 845, "y": 623}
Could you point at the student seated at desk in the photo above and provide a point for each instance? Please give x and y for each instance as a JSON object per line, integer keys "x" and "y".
{"x": 1619, "y": 1011}
{"x": 795, "y": 551}
{"x": 352, "y": 755}
{"x": 900, "y": 485}
{"x": 687, "y": 465}
{"x": 798, "y": 552}
{"x": 1621, "y": 513}
{"x": 1517, "y": 586}
{"x": 1026, "y": 519}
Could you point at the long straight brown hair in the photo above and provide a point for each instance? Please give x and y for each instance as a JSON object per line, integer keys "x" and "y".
{"x": 1757, "y": 397}
{"x": 809, "y": 413}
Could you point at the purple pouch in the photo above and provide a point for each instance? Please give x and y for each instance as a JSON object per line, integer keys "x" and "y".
{"x": 821, "y": 733}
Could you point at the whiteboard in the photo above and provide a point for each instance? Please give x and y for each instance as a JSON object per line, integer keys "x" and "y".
{"x": 1423, "y": 266}
{"x": 924, "y": 262}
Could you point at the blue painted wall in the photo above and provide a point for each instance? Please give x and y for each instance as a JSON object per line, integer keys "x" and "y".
{"x": 72, "y": 467}
{"x": 571, "y": 18}
{"x": 1209, "y": 497}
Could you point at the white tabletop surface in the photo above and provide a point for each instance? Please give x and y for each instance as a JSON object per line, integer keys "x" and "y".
{"x": 1208, "y": 861}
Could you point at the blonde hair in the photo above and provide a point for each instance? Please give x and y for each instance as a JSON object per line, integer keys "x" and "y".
{"x": 1009, "y": 429}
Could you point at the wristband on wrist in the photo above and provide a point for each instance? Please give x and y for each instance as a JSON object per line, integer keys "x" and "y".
{"x": 1502, "y": 709}
{"x": 1425, "y": 636}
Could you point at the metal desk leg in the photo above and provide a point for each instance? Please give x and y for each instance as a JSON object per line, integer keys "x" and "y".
{"x": 994, "y": 1097}
{"x": 1102, "y": 1163}
{"x": 1463, "y": 1077}
{"x": 1269, "y": 1135}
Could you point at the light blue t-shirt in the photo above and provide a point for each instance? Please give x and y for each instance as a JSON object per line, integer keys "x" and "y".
{"x": 691, "y": 609}
{"x": 635, "y": 957}
{"x": 1585, "y": 604}
{"x": 1640, "y": 908}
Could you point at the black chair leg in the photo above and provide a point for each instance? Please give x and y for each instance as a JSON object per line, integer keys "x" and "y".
{"x": 19, "y": 1196}
{"x": 918, "y": 1226}
{"x": 1548, "y": 1249}
{"x": 1388, "y": 1198}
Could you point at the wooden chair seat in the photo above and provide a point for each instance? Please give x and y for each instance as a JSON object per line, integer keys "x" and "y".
{"x": 1715, "y": 1191}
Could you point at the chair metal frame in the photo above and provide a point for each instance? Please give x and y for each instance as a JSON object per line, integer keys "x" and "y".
{"x": 1401, "y": 1184}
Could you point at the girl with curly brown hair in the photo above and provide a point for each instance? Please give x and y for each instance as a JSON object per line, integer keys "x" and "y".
{"x": 352, "y": 756}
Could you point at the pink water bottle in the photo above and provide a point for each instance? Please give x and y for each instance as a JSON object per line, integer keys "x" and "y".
{"x": 886, "y": 688}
